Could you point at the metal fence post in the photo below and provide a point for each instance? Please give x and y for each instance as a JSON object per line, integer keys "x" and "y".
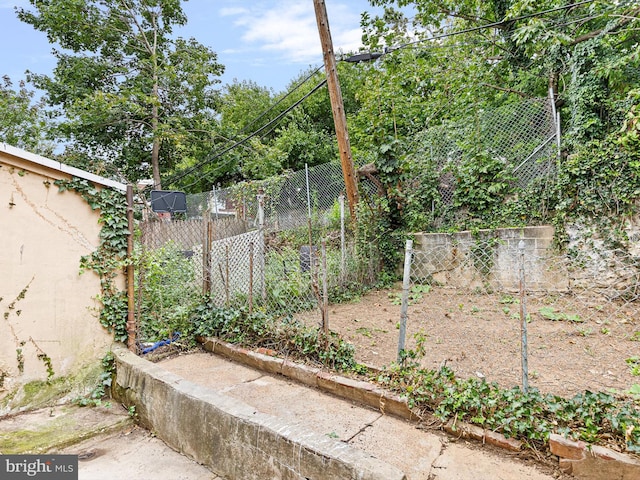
{"x": 215, "y": 201}
{"x": 131, "y": 319}
{"x": 523, "y": 320}
{"x": 343, "y": 245}
{"x": 250, "y": 278}
{"x": 206, "y": 253}
{"x": 325, "y": 294}
{"x": 227, "y": 286}
{"x": 262, "y": 246}
{"x": 406, "y": 281}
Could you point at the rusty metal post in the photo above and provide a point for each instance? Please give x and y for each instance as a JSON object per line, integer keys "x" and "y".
{"x": 131, "y": 319}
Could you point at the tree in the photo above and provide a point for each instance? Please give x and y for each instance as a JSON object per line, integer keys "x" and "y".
{"x": 129, "y": 94}
{"x": 585, "y": 53}
{"x": 23, "y": 122}
{"x": 451, "y": 60}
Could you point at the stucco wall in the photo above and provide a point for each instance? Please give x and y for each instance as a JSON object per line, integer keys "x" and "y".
{"x": 44, "y": 233}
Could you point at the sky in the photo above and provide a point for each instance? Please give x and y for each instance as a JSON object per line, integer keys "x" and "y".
{"x": 267, "y": 41}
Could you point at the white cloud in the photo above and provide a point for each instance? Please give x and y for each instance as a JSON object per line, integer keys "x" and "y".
{"x": 288, "y": 29}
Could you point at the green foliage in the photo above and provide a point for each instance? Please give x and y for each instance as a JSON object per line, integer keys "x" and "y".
{"x": 586, "y": 54}
{"x": 23, "y": 122}
{"x": 530, "y": 416}
{"x": 111, "y": 255}
{"x": 634, "y": 365}
{"x": 259, "y": 329}
{"x": 601, "y": 180}
{"x": 551, "y": 314}
{"x": 166, "y": 290}
{"x": 483, "y": 182}
{"x": 130, "y": 96}
{"x": 102, "y": 388}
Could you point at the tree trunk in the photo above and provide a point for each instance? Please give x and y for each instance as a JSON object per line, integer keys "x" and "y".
{"x": 155, "y": 149}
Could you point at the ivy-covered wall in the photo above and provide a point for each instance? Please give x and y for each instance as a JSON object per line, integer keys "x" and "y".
{"x": 49, "y": 327}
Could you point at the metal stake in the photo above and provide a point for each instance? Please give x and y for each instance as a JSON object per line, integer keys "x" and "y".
{"x": 523, "y": 321}
{"x": 406, "y": 281}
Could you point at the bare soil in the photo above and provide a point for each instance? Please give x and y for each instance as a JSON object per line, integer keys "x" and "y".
{"x": 480, "y": 335}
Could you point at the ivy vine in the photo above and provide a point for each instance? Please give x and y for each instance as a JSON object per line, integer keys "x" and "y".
{"x": 111, "y": 255}
{"x": 12, "y": 309}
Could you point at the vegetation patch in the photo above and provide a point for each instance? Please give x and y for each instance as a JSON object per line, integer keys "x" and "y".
{"x": 289, "y": 338}
{"x": 596, "y": 418}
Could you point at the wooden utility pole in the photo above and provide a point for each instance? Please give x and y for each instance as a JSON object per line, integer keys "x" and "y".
{"x": 337, "y": 107}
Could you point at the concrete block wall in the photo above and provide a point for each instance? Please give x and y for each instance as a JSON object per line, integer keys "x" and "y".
{"x": 234, "y": 439}
{"x": 490, "y": 257}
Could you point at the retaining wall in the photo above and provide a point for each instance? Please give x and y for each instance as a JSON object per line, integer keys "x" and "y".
{"x": 230, "y": 437}
{"x": 469, "y": 260}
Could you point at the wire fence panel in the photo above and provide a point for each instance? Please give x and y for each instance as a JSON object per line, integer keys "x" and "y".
{"x": 255, "y": 245}
{"x": 187, "y": 233}
{"x": 582, "y": 307}
{"x": 523, "y": 136}
{"x": 287, "y": 200}
{"x": 236, "y": 268}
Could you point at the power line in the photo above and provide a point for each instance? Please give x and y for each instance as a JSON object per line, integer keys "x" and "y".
{"x": 246, "y": 138}
{"x": 242, "y": 141}
{"x": 488, "y": 25}
{"x": 302, "y": 82}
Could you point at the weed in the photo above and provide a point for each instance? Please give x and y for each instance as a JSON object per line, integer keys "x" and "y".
{"x": 365, "y": 331}
{"x": 100, "y": 391}
{"x": 508, "y": 300}
{"x": 634, "y": 365}
{"x": 290, "y": 338}
{"x": 415, "y": 295}
{"x": 550, "y": 314}
{"x": 531, "y": 416}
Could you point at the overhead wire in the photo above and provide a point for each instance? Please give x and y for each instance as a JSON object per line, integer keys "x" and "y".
{"x": 245, "y": 139}
{"x": 487, "y": 25}
{"x": 388, "y": 50}
{"x": 290, "y": 92}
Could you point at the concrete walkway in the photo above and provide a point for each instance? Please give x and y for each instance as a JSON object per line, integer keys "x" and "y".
{"x": 108, "y": 444}
{"x": 420, "y": 454}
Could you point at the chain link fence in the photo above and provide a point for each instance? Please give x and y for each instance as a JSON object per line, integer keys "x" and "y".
{"x": 281, "y": 246}
{"x": 522, "y": 136}
{"x": 508, "y": 306}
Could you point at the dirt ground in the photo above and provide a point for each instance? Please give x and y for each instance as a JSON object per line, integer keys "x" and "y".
{"x": 480, "y": 335}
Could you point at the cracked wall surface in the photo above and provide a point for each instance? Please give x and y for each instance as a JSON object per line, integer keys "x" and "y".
{"x": 44, "y": 233}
